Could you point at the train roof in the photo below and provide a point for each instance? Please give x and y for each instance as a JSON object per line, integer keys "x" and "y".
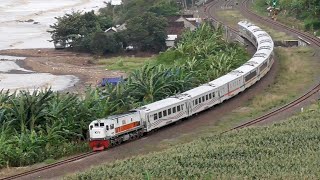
{"x": 265, "y": 53}
{"x": 249, "y": 66}
{"x": 199, "y": 90}
{"x": 258, "y": 59}
{"x": 163, "y": 103}
{"x": 223, "y": 79}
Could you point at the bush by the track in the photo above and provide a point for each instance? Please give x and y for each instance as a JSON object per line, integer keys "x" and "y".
{"x": 287, "y": 150}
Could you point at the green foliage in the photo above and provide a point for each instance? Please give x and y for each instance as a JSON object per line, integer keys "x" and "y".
{"x": 205, "y": 52}
{"x": 78, "y": 29}
{"x": 102, "y": 43}
{"x": 147, "y": 32}
{"x": 286, "y": 150}
{"x": 40, "y": 125}
{"x": 165, "y": 8}
{"x": 306, "y": 10}
{"x": 146, "y": 27}
{"x": 47, "y": 125}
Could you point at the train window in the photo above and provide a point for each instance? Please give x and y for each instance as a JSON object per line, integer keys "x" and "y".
{"x": 182, "y": 107}
{"x": 91, "y": 127}
{"x": 213, "y": 95}
{"x": 202, "y": 98}
{"x": 251, "y": 75}
{"x": 264, "y": 65}
{"x": 207, "y": 97}
{"x": 131, "y": 119}
{"x": 107, "y": 127}
{"x": 96, "y": 124}
{"x": 210, "y": 96}
{"x": 199, "y": 100}
{"x": 169, "y": 111}
{"x": 111, "y": 126}
{"x": 178, "y": 108}
{"x": 155, "y": 116}
{"x": 165, "y": 113}
{"x": 101, "y": 124}
{"x": 160, "y": 114}
{"x": 123, "y": 121}
{"x": 174, "y": 110}
{"x": 196, "y": 101}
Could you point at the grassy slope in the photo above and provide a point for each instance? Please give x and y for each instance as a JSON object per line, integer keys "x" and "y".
{"x": 126, "y": 64}
{"x": 232, "y": 17}
{"x": 259, "y": 7}
{"x": 286, "y": 150}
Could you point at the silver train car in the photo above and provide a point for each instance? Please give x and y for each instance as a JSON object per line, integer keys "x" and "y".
{"x": 114, "y": 130}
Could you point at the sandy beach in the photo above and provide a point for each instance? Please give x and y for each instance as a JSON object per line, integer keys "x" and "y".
{"x": 24, "y": 25}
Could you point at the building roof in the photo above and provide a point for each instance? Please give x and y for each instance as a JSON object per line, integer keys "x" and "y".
{"x": 175, "y": 28}
{"x": 172, "y": 37}
{"x": 111, "y": 29}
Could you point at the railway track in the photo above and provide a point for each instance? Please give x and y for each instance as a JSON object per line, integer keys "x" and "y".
{"x": 209, "y": 7}
{"x": 75, "y": 158}
{"x": 308, "y": 37}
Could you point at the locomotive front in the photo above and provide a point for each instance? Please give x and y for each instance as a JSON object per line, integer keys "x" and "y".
{"x": 100, "y": 132}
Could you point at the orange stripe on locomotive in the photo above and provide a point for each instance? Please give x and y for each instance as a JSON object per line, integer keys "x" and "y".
{"x": 127, "y": 127}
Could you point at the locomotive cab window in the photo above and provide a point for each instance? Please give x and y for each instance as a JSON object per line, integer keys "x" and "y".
{"x": 199, "y": 100}
{"x": 182, "y": 107}
{"x": 169, "y": 111}
{"x": 210, "y": 97}
{"x": 174, "y": 110}
{"x": 91, "y": 127}
{"x": 196, "y": 101}
{"x": 202, "y": 98}
{"x": 101, "y": 124}
{"x": 155, "y": 116}
{"x": 107, "y": 127}
{"x": 178, "y": 108}
{"x": 96, "y": 125}
{"x": 207, "y": 97}
{"x": 160, "y": 114}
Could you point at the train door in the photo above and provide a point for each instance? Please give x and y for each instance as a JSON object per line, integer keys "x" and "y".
{"x": 189, "y": 107}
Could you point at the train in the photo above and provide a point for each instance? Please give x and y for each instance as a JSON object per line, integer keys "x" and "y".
{"x": 113, "y": 130}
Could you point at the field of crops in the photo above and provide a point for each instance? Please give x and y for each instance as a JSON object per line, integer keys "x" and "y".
{"x": 288, "y": 150}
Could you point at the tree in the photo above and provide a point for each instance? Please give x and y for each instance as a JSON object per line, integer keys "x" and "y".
{"x": 102, "y": 43}
{"x": 165, "y": 8}
{"x": 147, "y": 32}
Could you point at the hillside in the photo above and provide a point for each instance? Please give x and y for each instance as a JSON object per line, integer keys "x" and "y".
{"x": 287, "y": 150}
{"x": 298, "y": 13}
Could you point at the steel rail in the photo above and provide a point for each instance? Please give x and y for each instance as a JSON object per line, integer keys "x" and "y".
{"x": 49, "y": 166}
